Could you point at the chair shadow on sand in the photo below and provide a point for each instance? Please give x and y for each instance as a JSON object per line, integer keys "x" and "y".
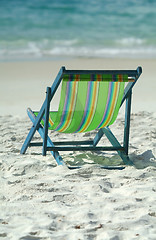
{"x": 141, "y": 161}
{"x": 146, "y": 159}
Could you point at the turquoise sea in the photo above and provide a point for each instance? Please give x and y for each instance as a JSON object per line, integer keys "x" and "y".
{"x": 50, "y": 29}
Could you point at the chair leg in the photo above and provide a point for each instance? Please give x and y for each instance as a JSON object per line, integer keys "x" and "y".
{"x": 32, "y": 130}
{"x": 40, "y": 130}
{"x": 97, "y": 137}
{"x": 127, "y": 122}
{"x": 115, "y": 143}
{"x": 46, "y": 123}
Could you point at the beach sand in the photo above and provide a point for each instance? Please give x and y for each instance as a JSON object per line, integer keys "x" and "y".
{"x": 39, "y": 200}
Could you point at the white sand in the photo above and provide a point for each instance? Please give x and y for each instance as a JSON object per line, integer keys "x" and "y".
{"x": 39, "y": 200}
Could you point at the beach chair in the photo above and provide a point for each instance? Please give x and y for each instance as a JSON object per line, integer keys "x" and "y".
{"x": 89, "y": 100}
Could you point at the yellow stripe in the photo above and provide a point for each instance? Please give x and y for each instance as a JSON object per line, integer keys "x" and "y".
{"x": 51, "y": 122}
{"x": 93, "y": 107}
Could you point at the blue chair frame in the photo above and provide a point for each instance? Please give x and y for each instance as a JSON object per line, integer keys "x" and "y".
{"x": 56, "y": 147}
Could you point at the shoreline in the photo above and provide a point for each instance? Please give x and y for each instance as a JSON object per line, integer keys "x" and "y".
{"x": 23, "y": 84}
{"x": 70, "y": 58}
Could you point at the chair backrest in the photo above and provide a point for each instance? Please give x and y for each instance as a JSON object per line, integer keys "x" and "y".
{"x": 89, "y": 101}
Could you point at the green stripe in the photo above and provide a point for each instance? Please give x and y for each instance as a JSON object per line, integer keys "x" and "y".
{"x": 101, "y": 103}
{"x": 79, "y": 107}
{"x": 61, "y": 105}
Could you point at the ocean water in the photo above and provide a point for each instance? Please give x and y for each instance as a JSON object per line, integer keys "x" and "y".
{"x": 47, "y": 29}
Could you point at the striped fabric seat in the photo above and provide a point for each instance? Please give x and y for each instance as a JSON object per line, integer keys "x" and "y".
{"x": 88, "y": 102}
